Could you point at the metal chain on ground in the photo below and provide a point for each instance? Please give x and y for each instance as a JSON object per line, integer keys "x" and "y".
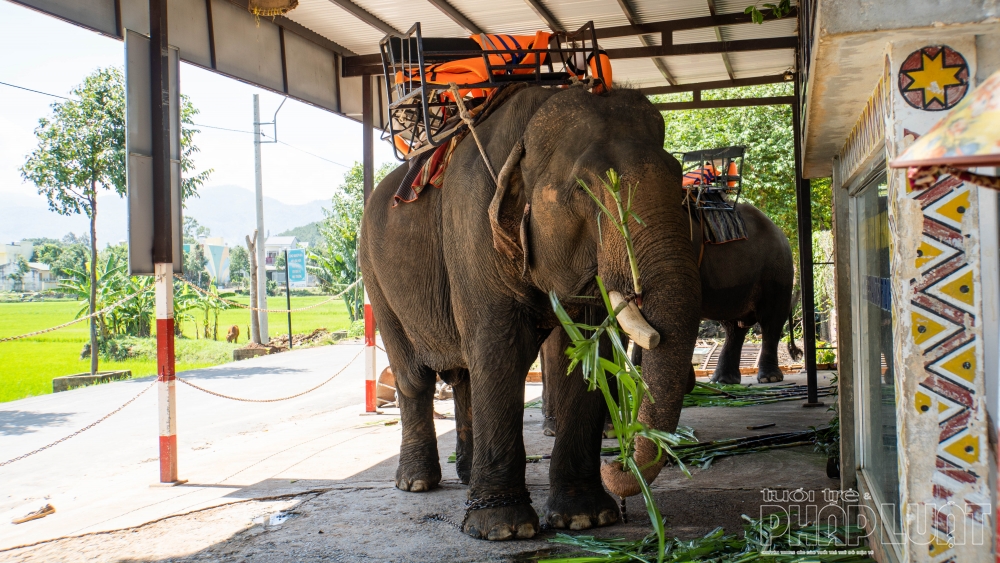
{"x": 242, "y": 306}
{"x": 84, "y": 429}
{"x": 74, "y": 321}
{"x": 186, "y": 382}
{"x": 443, "y": 519}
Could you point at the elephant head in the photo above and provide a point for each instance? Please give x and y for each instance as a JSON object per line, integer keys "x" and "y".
{"x": 547, "y": 225}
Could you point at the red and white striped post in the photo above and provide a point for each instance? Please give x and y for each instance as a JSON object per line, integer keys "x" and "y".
{"x": 166, "y": 379}
{"x": 370, "y": 382}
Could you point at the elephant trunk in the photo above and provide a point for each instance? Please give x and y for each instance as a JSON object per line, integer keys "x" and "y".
{"x": 671, "y": 309}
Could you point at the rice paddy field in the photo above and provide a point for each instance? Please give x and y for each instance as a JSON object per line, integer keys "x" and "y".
{"x": 28, "y": 366}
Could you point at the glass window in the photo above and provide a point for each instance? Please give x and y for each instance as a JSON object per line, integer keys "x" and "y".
{"x": 877, "y": 389}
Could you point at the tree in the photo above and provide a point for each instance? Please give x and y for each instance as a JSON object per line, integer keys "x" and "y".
{"x": 194, "y": 266}
{"x": 336, "y": 262}
{"x": 239, "y": 265}
{"x": 193, "y": 230}
{"x": 769, "y": 168}
{"x": 81, "y": 150}
{"x": 19, "y": 272}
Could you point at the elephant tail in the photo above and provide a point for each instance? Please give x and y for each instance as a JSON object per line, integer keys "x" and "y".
{"x": 793, "y": 350}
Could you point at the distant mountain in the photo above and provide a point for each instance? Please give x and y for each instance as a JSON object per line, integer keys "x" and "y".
{"x": 229, "y": 211}
{"x": 306, "y": 233}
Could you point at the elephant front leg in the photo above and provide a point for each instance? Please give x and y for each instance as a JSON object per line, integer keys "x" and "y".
{"x": 499, "y": 506}
{"x": 419, "y": 468}
{"x": 728, "y": 368}
{"x": 577, "y": 499}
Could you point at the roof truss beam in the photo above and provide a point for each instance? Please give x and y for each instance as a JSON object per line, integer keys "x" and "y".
{"x": 456, "y": 16}
{"x": 736, "y": 103}
{"x": 670, "y": 26}
{"x": 365, "y": 16}
{"x": 547, "y": 16}
{"x": 719, "y": 84}
{"x": 670, "y": 50}
{"x": 718, "y": 37}
{"x": 633, "y": 19}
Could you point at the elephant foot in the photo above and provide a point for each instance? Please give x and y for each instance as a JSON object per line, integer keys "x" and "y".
{"x": 464, "y": 471}
{"x": 581, "y": 511}
{"x": 773, "y": 375}
{"x": 549, "y": 426}
{"x": 726, "y": 377}
{"x": 502, "y": 523}
{"x": 418, "y": 477}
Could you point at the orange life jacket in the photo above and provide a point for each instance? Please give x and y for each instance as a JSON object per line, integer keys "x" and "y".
{"x": 707, "y": 174}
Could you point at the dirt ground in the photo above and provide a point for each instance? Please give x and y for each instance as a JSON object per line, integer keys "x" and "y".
{"x": 365, "y": 518}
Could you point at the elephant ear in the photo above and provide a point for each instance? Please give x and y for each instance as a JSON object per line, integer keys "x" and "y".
{"x": 509, "y": 211}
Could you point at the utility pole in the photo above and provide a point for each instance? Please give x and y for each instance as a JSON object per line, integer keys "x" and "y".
{"x": 261, "y": 236}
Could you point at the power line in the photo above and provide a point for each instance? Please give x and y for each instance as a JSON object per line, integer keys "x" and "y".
{"x": 35, "y": 91}
{"x": 199, "y": 125}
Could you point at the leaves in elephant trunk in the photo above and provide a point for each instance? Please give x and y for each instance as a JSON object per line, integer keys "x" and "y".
{"x": 584, "y": 351}
{"x": 614, "y": 188}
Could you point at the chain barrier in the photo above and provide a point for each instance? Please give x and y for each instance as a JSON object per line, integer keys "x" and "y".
{"x": 84, "y": 429}
{"x": 242, "y": 306}
{"x": 74, "y": 321}
{"x": 340, "y": 371}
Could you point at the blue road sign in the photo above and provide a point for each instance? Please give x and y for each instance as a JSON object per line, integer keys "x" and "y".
{"x": 297, "y": 265}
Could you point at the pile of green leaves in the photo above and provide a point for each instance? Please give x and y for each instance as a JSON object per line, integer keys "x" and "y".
{"x": 736, "y": 395}
{"x": 772, "y": 539}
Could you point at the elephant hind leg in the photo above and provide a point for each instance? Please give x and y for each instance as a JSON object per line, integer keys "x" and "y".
{"x": 419, "y": 468}
{"x": 728, "y": 368}
{"x": 768, "y": 370}
{"x": 462, "y": 387}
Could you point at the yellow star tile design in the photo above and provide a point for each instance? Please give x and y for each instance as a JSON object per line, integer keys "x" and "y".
{"x": 937, "y": 546}
{"x": 963, "y": 365}
{"x": 933, "y": 78}
{"x": 924, "y": 328}
{"x": 965, "y": 448}
{"x": 956, "y": 208}
{"x": 960, "y": 288}
{"x": 926, "y": 253}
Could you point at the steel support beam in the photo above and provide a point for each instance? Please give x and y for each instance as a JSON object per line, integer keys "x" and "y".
{"x": 159, "y": 74}
{"x": 456, "y": 16}
{"x": 548, "y": 17}
{"x": 365, "y": 16}
{"x": 718, "y": 37}
{"x": 736, "y": 103}
{"x": 633, "y": 19}
{"x": 367, "y": 136}
{"x": 743, "y": 45}
{"x": 684, "y": 24}
{"x": 717, "y": 84}
{"x": 372, "y": 64}
{"x": 803, "y": 200}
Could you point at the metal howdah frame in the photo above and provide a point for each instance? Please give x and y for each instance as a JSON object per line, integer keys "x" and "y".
{"x": 694, "y": 160}
{"x": 416, "y": 106}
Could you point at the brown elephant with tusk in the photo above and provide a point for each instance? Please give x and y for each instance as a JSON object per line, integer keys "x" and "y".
{"x": 459, "y": 282}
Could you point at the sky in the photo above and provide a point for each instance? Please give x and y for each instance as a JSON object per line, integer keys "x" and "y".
{"x": 49, "y": 55}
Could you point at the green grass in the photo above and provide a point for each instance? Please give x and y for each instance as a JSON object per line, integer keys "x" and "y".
{"x": 28, "y": 366}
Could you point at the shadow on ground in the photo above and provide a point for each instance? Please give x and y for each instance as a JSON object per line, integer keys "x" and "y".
{"x": 15, "y": 423}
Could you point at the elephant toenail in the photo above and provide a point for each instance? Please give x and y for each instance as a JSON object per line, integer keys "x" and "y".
{"x": 418, "y": 486}
{"x": 499, "y": 532}
{"x": 579, "y": 522}
{"x": 557, "y": 521}
{"x": 525, "y": 531}
{"x": 607, "y": 517}
{"x": 474, "y": 532}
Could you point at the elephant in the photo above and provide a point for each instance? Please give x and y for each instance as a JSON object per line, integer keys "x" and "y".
{"x": 743, "y": 282}
{"x": 459, "y": 282}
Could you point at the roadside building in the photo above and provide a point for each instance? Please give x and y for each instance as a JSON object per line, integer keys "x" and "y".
{"x": 916, "y": 270}
{"x": 37, "y": 278}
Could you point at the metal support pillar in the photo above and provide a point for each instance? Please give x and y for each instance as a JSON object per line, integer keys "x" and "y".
{"x": 163, "y": 251}
{"x": 261, "y": 235}
{"x": 804, "y": 211}
{"x": 368, "y": 162}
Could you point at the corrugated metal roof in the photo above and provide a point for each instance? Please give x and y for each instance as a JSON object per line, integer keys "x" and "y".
{"x": 516, "y": 16}
{"x": 337, "y": 25}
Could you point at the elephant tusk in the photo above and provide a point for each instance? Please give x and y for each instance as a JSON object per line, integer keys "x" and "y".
{"x": 634, "y": 324}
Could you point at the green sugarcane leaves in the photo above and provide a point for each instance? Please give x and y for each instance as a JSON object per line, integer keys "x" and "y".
{"x": 621, "y": 219}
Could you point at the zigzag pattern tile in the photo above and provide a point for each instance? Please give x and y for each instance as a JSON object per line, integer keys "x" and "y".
{"x": 943, "y": 306}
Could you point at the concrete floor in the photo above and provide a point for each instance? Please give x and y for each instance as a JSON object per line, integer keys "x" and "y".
{"x": 335, "y": 466}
